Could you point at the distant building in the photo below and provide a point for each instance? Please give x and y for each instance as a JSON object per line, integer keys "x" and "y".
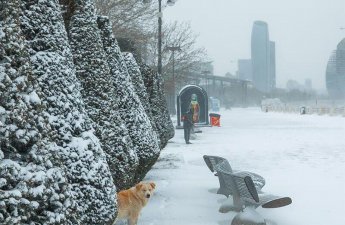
{"x": 332, "y": 76}
{"x": 308, "y": 84}
{"x": 340, "y": 58}
{"x": 335, "y": 82}
{"x": 260, "y": 52}
{"x": 272, "y": 77}
{"x": 293, "y": 85}
{"x": 245, "y": 71}
{"x": 335, "y": 72}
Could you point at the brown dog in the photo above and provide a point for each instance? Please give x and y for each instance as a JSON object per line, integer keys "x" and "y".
{"x": 132, "y": 200}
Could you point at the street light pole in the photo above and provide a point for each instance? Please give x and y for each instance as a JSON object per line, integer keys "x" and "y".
{"x": 160, "y": 15}
{"x": 160, "y": 36}
{"x": 173, "y": 49}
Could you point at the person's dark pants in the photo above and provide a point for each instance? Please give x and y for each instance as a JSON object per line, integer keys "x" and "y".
{"x": 186, "y": 133}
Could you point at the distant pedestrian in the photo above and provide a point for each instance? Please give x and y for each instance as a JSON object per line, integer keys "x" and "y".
{"x": 187, "y": 125}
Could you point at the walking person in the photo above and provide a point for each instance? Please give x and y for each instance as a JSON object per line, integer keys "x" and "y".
{"x": 187, "y": 125}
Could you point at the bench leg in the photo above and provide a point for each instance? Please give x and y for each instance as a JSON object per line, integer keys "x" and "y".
{"x": 248, "y": 217}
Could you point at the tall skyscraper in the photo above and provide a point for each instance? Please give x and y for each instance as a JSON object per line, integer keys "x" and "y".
{"x": 332, "y": 76}
{"x": 272, "y": 80}
{"x": 263, "y": 58}
{"x": 260, "y": 51}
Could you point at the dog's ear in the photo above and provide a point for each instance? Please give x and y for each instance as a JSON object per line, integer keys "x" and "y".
{"x": 153, "y": 185}
{"x": 138, "y": 186}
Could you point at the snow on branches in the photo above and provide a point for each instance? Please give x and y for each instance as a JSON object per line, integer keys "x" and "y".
{"x": 99, "y": 94}
{"x": 130, "y": 107}
{"x": 76, "y": 121}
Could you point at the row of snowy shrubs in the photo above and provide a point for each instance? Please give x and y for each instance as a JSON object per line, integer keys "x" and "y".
{"x": 79, "y": 119}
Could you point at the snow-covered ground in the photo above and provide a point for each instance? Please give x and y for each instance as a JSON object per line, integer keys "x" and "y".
{"x": 299, "y": 156}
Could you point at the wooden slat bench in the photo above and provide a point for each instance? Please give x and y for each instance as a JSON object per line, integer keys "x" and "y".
{"x": 212, "y": 161}
{"x": 246, "y": 197}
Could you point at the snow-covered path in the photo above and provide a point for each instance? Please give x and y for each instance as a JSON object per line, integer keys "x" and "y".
{"x": 299, "y": 156}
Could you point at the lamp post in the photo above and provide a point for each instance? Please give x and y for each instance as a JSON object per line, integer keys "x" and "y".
{"x": 173, "y": 49}
{"x": 160, "y": 15}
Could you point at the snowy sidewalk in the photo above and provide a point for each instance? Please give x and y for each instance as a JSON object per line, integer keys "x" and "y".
{"x": 299, "y": 156}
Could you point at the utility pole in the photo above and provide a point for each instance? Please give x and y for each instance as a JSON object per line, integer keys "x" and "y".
{"x": 160, "y": 15}
{"x": 173, "y": 49}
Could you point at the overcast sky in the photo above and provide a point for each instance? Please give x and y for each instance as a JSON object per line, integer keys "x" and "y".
{"x": 305, "y": 32}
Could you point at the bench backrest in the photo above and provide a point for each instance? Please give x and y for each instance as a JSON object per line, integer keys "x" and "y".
{"x": 240, "y": 186}
{"x": 211, "y": 161}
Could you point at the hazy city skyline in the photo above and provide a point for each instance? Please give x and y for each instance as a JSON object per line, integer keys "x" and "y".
{"x": 305, "y": 32}
{"x": 261, "y": 57}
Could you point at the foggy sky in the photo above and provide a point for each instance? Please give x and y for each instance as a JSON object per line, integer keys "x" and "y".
{"x": 305, "y": 32}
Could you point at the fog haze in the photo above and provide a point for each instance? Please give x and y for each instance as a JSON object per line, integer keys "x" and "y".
{"x": 305, "y": 32}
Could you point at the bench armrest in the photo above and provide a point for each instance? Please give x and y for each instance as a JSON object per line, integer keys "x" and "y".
{"x": 258, "y": 180}
{"x": 273, "y": 201}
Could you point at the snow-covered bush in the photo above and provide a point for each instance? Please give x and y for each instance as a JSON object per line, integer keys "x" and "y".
{"x": 158, "y": 105}
{"x": 79, "y": 150}
{"x": 53, "y": 170}
{"x": 143, "y": 134}
{"x": 72, "y": 121}
{"x": 28, "y": 180}
{"x": 138, "y": 84}
{"x": 129, "y": 106}
{"x": 100, "y": 95}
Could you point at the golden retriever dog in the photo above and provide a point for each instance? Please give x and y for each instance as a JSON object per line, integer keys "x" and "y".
{"x": 131, "y": 201}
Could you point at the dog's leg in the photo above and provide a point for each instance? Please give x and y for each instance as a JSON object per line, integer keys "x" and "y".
{"x": 130, "y": 222}
{"x": 133, "y": 219}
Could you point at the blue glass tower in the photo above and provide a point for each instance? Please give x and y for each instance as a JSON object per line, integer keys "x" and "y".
{"x": 260, "y": 51}
{"x": 272, "y": 79}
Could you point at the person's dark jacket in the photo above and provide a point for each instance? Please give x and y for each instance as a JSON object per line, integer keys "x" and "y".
{"x": 188, "y": 120}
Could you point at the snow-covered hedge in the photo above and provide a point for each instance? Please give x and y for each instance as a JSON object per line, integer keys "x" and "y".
{"x": 143, "y": 134}
{"x": 53, "y": 170}
{"x": 138, "y": 83}
{"x": 129, "y": 105}
{"x": 28, "y": 179}
{"x": 75, "y": 117}
{"x": 100, "y": 95}
{"x": 159, "y": 110}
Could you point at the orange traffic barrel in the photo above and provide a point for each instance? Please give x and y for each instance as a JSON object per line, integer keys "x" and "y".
{"x": 215, "y": 119}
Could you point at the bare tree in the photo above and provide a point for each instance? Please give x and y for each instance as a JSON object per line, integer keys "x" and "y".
{"x": 136, "y": 21}
{"x": 132, "y": 19}
{"x": 187, "y": 60}
{"x": 178, "y": 66}
{"x": 135, "y": 27}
